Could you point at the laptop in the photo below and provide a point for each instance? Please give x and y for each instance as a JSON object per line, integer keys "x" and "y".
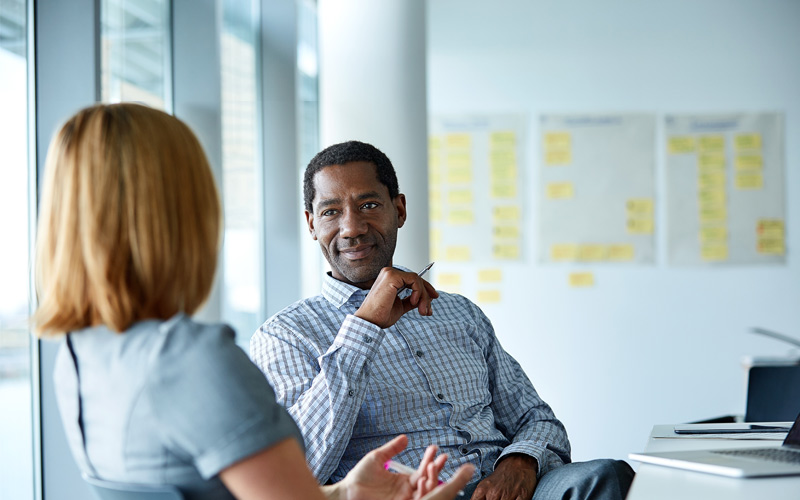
{"x": 783, "y": 460}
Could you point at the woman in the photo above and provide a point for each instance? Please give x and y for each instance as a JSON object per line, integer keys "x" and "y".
{"x": 129, "y": 233}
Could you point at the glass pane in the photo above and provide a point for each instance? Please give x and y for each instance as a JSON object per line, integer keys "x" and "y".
{"x": 308, "y": 90}
{"x": 312, "y": 263}
{"x": 16, "y": 433}
{"x": 135, "y": 52}
{"x": 241, "y": 263}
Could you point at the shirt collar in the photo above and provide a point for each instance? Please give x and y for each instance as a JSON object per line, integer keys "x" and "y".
{"x": 338, "y": 293}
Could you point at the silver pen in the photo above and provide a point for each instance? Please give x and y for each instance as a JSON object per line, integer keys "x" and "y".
{"x": 420, "y": 274}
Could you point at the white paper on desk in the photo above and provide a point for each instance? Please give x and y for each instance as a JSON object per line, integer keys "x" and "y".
{"x": 667, "y": 432}
{"x": 757, "y": 436}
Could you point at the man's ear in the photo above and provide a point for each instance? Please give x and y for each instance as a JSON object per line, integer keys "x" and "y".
{"x": 400, "y": 206}
{"x": 310, "y": 222}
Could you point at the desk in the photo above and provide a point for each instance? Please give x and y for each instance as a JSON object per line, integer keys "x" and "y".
{"x": 654, "y": 482}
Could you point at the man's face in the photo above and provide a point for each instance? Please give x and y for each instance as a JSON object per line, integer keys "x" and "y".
{"x": 355, "y": 221}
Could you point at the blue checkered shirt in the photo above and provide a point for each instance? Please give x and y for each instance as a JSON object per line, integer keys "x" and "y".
{"x": 444, "y": 379}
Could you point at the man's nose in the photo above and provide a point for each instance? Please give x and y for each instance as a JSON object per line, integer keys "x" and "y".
{"x": 352, "y": 224}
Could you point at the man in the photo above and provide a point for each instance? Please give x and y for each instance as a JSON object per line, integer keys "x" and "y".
{"x": 381, "y": 352}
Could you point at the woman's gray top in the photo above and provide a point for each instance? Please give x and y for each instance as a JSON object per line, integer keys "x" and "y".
{"x": 167, "y": 402}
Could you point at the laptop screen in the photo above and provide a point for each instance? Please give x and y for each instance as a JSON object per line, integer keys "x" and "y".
{"x": 793, "y": 438}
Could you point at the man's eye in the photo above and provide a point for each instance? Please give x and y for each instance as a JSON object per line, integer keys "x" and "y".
{"x": 369, "y": 205}
{"x": 328, "y": 213}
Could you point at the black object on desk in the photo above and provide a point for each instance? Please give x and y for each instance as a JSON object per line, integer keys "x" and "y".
{"x": 773, "y": 393}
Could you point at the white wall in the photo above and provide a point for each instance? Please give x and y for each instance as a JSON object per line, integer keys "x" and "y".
{"x": 647, "y": 344}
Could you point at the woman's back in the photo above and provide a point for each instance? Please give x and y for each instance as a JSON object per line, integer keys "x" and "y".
{"x": 165, "y": 402}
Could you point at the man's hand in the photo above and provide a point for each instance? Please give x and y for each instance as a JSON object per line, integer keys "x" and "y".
{"x": 383, "y": 307}
{"x": 514, "y": 478}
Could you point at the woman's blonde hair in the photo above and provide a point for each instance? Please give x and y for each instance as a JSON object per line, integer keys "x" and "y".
{"x": 129, "y": 224}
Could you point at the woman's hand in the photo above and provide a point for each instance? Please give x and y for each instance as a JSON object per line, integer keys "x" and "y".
{"x": 448, "y": 490}
{"x": 369, "y": 480}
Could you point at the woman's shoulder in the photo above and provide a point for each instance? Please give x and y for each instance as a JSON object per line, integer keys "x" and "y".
{"x": 187, "y": 345}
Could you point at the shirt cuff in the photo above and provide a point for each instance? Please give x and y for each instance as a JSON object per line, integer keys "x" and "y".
{"x": 546, "y": 459}
{"x": 359, "y": 335}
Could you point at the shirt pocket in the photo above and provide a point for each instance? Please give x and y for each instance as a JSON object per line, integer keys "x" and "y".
{"x": 458, "y": 370}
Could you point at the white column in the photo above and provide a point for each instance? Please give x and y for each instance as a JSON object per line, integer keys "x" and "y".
{"x": 372, "y": 88}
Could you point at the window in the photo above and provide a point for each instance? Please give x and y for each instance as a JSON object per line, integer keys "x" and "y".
{"x": 135, "y": 52}
{"x": 16, "y": 429}
{"x": 242, "y": 272}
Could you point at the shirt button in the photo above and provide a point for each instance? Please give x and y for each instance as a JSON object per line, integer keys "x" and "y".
{"x": 350, "y": 392}
{"x": 418, "y": 353}
{"x": 367, "y": 339}
{"x": 440, "y": 396}
{"x": 463, "y": 450}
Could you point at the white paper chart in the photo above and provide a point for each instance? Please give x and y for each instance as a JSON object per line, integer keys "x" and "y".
{"x": 725, "y": 189}
{"x": 476, "y": 165}
{"x": 597, "y": 188}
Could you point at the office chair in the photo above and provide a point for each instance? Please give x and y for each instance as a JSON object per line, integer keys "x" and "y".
{"x": 109, "y": 490}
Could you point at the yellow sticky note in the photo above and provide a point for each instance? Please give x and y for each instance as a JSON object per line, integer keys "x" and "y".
{"x": 459, "y": 196}
{"x": 504, "y": 173}
{"x": 489, "y": 296}
{"x": 460, "y": 253}
{"x": 460, "y": 217}
{"x": 749, "y": 161}
{"x": 560, "y": 190}
{"x": 434, "y": 142}
{"x": 557, "y": 141}
{"x": 506, "y": 213}
{"x": 434, "y": 196}
{"x": 435, "y": 213}
{"x": 680, "y": 144}
{"x": 504, "y": 190}
{"x": 711, "y": 161}
{"x": 564, "y": 252}
{"x": 713, "y": 252}
{"x": 640, "y": 226}
{"x": 713, "y": 213}
{"x": 713, "y": 195}
{"x": 714, "y": 234}
{"x": 620, "y": 253}
{"x": 502, "y": 139}
{"x": 592, "y": 253}
{"x": 459, "y": 141}
{"x": 558, "y": 157}
{"x": 711, "y": 180}
{"x": 503, "y": 157}
{"x": 459, "y": 175}
{"x": 580, "y": 280}
{"x": 490, "y": 275}
{"x": 711, "y": 143}
{"x": 512, "y": 251}
{"x": 769, "y": 228}
{"x": 435, "y": 235}
{"x": 771, "y": 246}
{"x": 459, "y": 160}
{"x": 434, "y": 162}
{"x": 448, "y": 279}
{"x": 506, "y": 231}
{"x": 435, "y": 176}
{"x": 747, "y": 141}
{"x": 749, "y": 180}
{"x": 639, "y": 206}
